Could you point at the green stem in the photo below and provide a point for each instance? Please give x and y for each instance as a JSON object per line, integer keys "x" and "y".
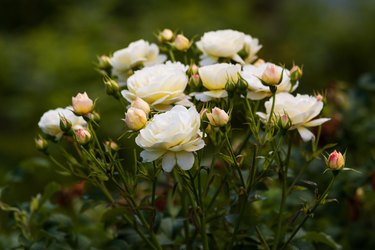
{"x": 272, "y": 107}
{"x": 171, "y": 55}
{"x": 310, "y": 212}
{"x": 261, "y": 237}
{"x": 235, "y": 160}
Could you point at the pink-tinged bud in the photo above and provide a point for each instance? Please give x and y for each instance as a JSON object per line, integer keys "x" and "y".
{"x": 218, "y": 117}
{"x": 335, "y": 161}
{"x": 135, "y": 119}
{"x": 181, "y": 42}
{"x": 193, "y": 69}
{"x": 195, "y": 81}
{"x": 295, "y": 73}
{"x": 285, "y": 121}
{"x": 166, "y": 35}
{"x": 271, "y": 75}
{"x": 110, "y": 146}
{"x": 319, "y": 98}
{"x": 82, "y": 136}
{"x": 41, "y": 143}
{"x": 139, "y": 103}
{"x": 82, "y": 104}
{"x": 65, "y": 124}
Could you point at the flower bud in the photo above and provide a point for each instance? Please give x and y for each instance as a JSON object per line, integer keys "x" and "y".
{"x": 195, "y": 81}
{"x": 139, "y": 103}
{"x": 110, "y": 146}
{"x": 166, "y": 35}
{"x": 181, "y": 43}
{"x": 193, "y": 69}
{"x": 104, "y": 62}
{"x": 82, "y": 104}
{"x": 335, "y": 161}
{"x": 82, "y": 136}
{"x": 319, "y": 98}
{"x": 218, "y": 117}
{"x": 65, "y": 124}
{"x": 135, "y": 119}
{"x": 41, "y": 143}
{"x": 284, "y": 121}
{"x": 259, "y": 62}
{"x": 295, "y": 73}
{"x": 111, "y": 86}
{"x": 271, "y": 76}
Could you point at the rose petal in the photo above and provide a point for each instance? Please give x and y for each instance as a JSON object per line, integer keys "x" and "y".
{"x": 185, "y": 160}
{"x": 169, "y": 161}
{"x": 306, "y": 134}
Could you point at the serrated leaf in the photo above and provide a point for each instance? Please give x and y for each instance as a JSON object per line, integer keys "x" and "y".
{"x": 322, "y": 238}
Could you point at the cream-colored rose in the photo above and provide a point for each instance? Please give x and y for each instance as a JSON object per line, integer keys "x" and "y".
{"x": 227, "y": 44}
{"x": 137, "y": 53}
{"x": 140, "y": 104}
{"x": 217, "y": 117}
{"x": 301, "y": 110}
{"x": 256, "y": 90}
{"x": 82, "y": 104}
{"x": 173, "y": 136}
{"x": 158, "y": 85}
{"x": 135, "y": 118}
{"x": 50, "y": 121}
{"x": 214, "y": 78}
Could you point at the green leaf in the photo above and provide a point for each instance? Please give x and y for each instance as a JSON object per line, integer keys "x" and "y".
{"x": 111, "y": 215}
{"x": 322, "y": 238}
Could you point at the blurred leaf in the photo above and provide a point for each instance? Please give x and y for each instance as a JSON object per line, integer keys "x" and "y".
{"x": 112, "y": 214}
{"x": 322, "y": 238}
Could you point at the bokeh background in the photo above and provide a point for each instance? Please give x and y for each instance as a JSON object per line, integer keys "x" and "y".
{"x": 48, "y": 49}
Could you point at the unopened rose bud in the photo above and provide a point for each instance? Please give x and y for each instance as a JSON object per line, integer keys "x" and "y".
{"x": 193, "y": 69}
{"x": 65, "y": 124}
{"x": 181, "y": 43}
{"x": 271, "y": 75}
{"x": 82, "y": 104}
{"x": 111, "y": 86}
{"x": 335, "y": 161}
{"x": 166, "y": 35}
{"x": 135, "y": 119}
{"x": 104, "y": 62}
{"x": 319, "y": 98}
{"x": 218, "y": 117}
{"x": 195, "y": 81}
{"x": 139, "y": 103}
{"x": 41, "y": 143}
{"x": 284, "y": 121}
{"x": 295, "y": 73}
{"x": 259, "y": 62}
{"x": 111, "y": 146}
{"x": 82, "y": 136}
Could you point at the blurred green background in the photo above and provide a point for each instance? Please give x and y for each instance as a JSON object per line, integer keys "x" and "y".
{"x": 48, "y": 49}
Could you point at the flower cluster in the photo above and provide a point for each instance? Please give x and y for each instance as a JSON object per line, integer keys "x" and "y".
{"x": 185, "y": 102}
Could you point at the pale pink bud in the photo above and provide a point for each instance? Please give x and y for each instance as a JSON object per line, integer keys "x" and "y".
{"x": 195, "y": 81}
{"x": 41, "y": 143}
{"x": 135, "y": 119}
{"x": 335, "y": 161}
{"x": 111, "y": 146}
{"x": 218, "y": 117}
{"x": 82, "y": 136}
{"x": 285, "y": 121}
{"x": 295, "y": 73}
{"x": 166, "y": 35}
{"x": 271, "y": 75}
{"x": 193, "y": 69}
{"x": 139, "y": 103}
{"x": 82, "y": 104}
{"x": 259, "y": 62}
{"x": 319, "y": 98}
{"x": 181, "y": 42}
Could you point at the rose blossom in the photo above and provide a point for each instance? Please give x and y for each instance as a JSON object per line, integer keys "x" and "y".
{"x": 82, "y": 104}
{"x": 158, "y": 85}
{"x": 336, "y": 160}
{"x": 214, "y": 78}
{"x": 217, "y": 117}
{"x": 227, "y": 44}
{"x": 138, "y": 52}
{"x": 50, "y": 121}
{"x": 300, "y": 109}
{"x": 174, "y": 136}
{"x": 256, "y": 89}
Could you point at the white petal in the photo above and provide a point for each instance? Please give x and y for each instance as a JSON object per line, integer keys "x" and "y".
{"x": 316, "y": 122}
{"x": 149, "y": 156}
{"x": 257, "y": 95}
{"x": 185, "y": 159}
{"x": 306, "y": 134}
{"x": 238, "y": 59}
{"x": 169, "y": 161}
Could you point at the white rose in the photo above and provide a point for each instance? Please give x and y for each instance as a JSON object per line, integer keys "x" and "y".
{"x": 158, "y": 85}
{"x": 137, "y": 53}
{"x": 258, "y": 91}
{"x": 174, "y": 136}
{"x": 50, "y": 121}
{"x": 226, "y": 44}
{"x": 214, "y": 78}
{"x": 301, "y": 110}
